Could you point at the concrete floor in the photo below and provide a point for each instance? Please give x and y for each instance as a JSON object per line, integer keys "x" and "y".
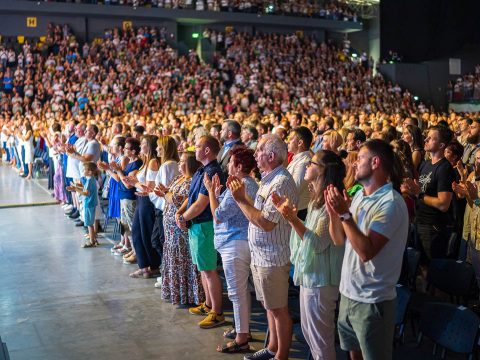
{"x": 14, "y": 190}
{"x": 59, "y": 301}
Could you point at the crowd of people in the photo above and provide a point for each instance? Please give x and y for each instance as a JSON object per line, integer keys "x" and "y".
{"x": 330, "y": 10}
{"x": 284, "y": 153}
{"x": 465, "y": 88}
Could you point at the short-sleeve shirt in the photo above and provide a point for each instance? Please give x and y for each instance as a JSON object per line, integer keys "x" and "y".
{"x": 91, "y": 148}
{"x": 434, "y": 178}
{"x": 374, "y": 281}
{"x": 90, "y": 185}
{"x": 123, "y": 191}
{"x": 73, "y": 164}
{"x": 197, "y": 187}
{"x": 272, "y": 248}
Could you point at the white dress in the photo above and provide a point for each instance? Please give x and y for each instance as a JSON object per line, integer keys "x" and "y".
{"x": 28, "y": 145}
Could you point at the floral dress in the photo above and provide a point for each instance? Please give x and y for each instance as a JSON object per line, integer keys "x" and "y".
{"x": 181, "y": 283}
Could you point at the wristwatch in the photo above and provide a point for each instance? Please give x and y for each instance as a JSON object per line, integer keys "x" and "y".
{"x": 345, "y": 216}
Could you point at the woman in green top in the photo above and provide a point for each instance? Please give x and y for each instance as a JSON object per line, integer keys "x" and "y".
{"x": 316, "y": 260}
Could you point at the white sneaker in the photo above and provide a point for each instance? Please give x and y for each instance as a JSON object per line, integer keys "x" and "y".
{"x": 68, "y": 207}
{"x": 158, "y": 285}
{"x": 159, "y": 279}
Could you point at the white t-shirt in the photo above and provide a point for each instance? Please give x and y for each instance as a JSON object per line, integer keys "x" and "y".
{"x": 374, "y": 281}
{"x": 73, "y": 164}
{"x": 167, "y": 172}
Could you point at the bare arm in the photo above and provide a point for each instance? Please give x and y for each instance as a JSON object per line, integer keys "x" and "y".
{"x": 196, "y": 208}
{"x": 440, "y": 202}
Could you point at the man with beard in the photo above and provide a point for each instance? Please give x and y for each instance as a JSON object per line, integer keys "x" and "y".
{"x": 373, "y": 228}
{"x": 473, "y": 143}
{"x": 433, "y": 192}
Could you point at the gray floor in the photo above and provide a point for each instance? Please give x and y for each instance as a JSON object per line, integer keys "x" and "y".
{"x": 14, "y": 190}
{"x": 59, "y": 301}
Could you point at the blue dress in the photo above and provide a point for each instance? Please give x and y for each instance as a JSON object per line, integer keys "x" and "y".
{"x": 113, "y": 197}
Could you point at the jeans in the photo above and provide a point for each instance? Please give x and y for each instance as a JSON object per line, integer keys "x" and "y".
{"x": 433, "y": 241}
{"x": 236, "y": 265}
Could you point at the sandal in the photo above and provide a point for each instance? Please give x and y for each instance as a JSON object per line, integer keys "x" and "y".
{"x": 137, "y": 274}
{"x": 232, "y": 334}
{"x": 232, "y": 347}
{"x": 89, "y": 245}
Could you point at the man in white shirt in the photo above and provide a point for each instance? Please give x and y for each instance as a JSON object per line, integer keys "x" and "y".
{"x": 299, "y": 143}
{"x": 375, "y": 226}
{"x": 269, "y": 241}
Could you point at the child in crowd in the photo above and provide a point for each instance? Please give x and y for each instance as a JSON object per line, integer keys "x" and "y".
{"x": 89, "y": 195}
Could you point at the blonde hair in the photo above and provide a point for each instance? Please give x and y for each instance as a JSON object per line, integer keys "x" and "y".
{"x": 336, "y": 139}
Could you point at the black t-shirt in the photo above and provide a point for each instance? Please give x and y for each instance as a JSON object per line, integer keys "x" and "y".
{"x": 435, "y": 178}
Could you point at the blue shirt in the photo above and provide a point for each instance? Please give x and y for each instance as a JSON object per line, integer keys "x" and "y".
{"x": 90, "y": 185}
{"x": 233, "y": 225}
{"x": 197, "y": 187}
{"x": 123, "y": 191}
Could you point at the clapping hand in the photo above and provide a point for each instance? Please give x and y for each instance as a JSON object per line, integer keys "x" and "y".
{"x": 213, "y": 184}
{"x": 472, "y": 190}
{"x": 145, "y": 188}
{"x": 462, "y": 171}
{"x": 160, "y": 190}
{"x": 115, "y": 166}
{"x": 102, "y": 165}
{"x": 69, "y": 148}
{"x": 336, "y": 202}
{"x": 460, "y": 189}
{"x": 130, "y": 180}
{"x": 411, "y": 187}
{"x": 284, "y": 207}
{"x": 237, "y": 188}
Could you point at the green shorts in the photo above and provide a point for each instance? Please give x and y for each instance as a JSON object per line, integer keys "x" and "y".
{"x": 367, "y": 327}
{"x": 202, "y": 248}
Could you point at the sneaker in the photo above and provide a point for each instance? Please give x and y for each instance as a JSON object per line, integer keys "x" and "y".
{"x": 158, "y": 285}
{"x": 74, "y": 215}
{"x": 212, "y": 320}
{"x": 263, "y": 354}
{"x": 201, "y": 310}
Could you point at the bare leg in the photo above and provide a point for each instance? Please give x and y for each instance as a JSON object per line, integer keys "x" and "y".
{"x": 214, "y": 289}
{"x": 283, "y": 325}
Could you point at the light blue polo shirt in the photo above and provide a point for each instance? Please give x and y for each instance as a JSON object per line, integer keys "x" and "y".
{"x": 374, "y": 281}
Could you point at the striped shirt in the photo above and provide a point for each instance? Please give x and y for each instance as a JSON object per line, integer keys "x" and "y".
{"x": 272, "y": 248}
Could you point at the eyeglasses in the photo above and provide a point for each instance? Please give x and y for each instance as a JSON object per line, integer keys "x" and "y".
{"x": 313, "y": 163}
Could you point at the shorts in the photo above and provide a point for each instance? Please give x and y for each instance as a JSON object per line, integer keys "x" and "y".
{"x": 271, "y": 285}
{"x": 127, "y": 211}
{"x": 367, "y": 327}
{"x": 202, "y": 248}
{"x": 88, "y": 216}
